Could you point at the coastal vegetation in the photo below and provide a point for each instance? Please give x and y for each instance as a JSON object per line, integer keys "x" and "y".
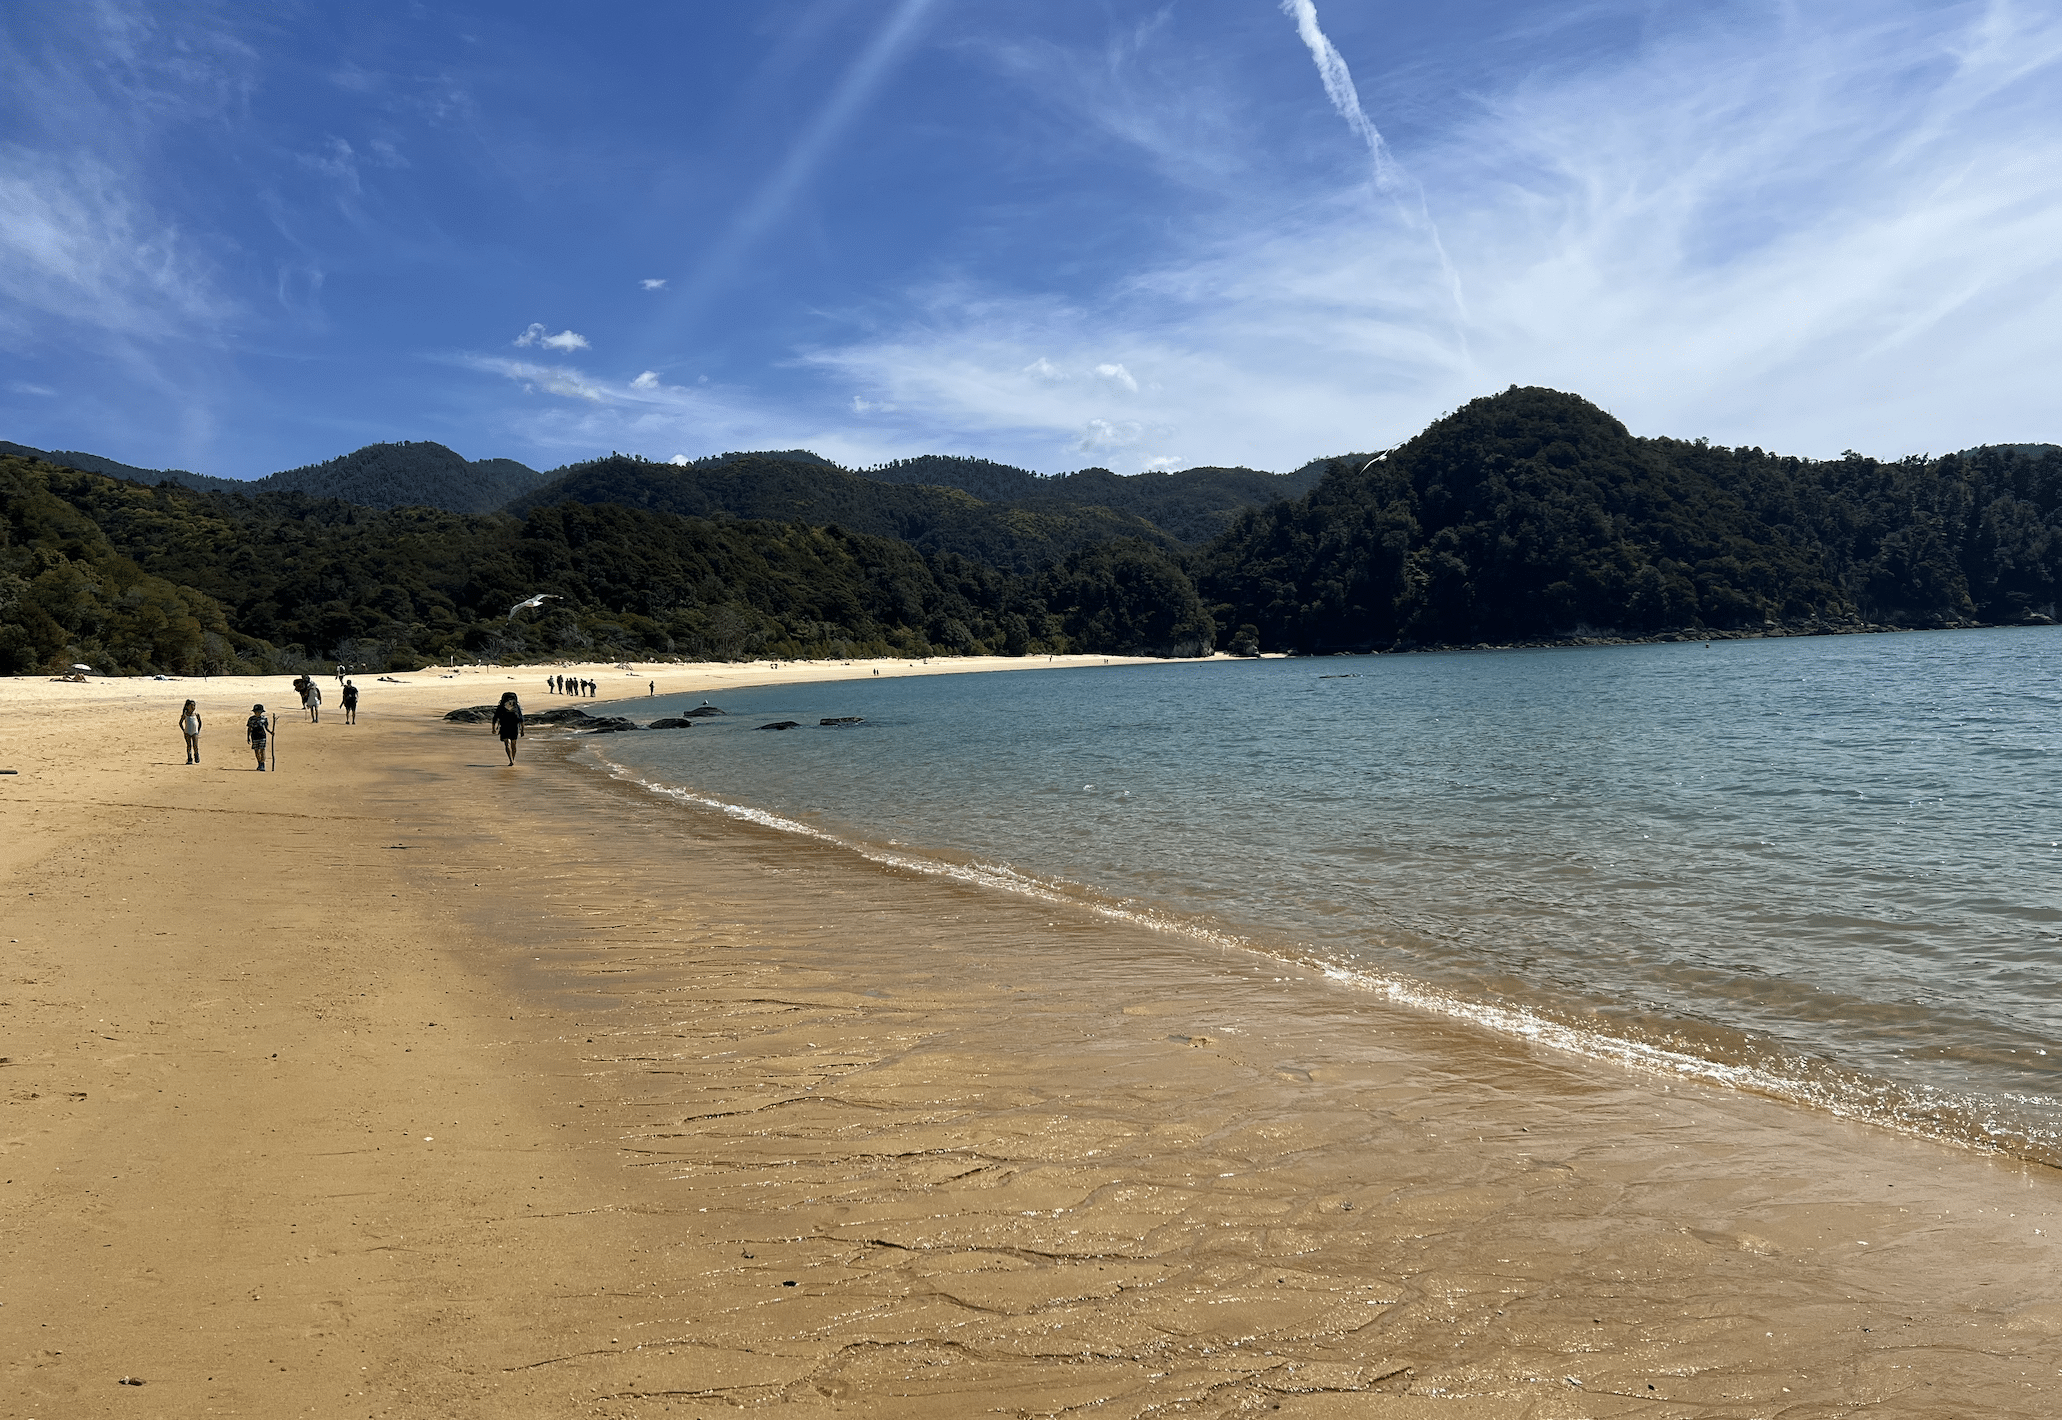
{"x": 1531, "y": 515}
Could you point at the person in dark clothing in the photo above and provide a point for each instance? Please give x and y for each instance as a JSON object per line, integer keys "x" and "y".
{"x": 258, "y": 734}
{"x": 350, "y": 703}
{"x": 508, "y": 722}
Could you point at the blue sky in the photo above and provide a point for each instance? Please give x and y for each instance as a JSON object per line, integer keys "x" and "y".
{"x": 239, "y": 238}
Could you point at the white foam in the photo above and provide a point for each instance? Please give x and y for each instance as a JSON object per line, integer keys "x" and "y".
{"x": 1837, "y": 1095}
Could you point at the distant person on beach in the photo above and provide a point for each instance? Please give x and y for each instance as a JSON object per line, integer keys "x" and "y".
{"x": 350, "y": 703}
{"x": 255, "y": 731}
{"x": 340, "y": 672}
{"x": 508, "y": 722}
{"x": 189, "y": 726}
{"x": 313, "y": 700}
{"x": 652, "y": 688}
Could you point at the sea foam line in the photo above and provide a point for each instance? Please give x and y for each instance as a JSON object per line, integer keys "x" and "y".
{"x": 1513, "y": 1021}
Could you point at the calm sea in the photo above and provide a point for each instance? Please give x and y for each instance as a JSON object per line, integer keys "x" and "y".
{"x": 1824, "y": 869}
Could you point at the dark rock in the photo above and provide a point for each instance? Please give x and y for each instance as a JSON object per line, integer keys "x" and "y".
{"x": 843, "y": 720}
{"x": 703, "y": 711}
{"x": 781, "y": 725}
{"x": 607, "y": 725}
{"x": 675, "y": 723}
{"x": 472, "y": 715}
{"x": 565, "y": 715}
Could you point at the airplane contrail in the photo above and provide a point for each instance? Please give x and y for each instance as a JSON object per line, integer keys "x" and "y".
{"x": 780, "y": 187}
{"x": 1390, "y": 178}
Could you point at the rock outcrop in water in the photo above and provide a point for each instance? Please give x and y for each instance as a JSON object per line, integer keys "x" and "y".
{"x": 606, "y": 725}
{"x": 781, "y": 725}
{"x": 671, "y": 723}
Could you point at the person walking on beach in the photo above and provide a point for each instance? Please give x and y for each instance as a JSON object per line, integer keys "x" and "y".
{"x": 314, "y": 703}
{"x": 350, "y": 703}
{"x": 652, "y": 688}
{"x": 508, "y": 722}
{"x": 189, "y": 726}
{"x": 255, "y": 731}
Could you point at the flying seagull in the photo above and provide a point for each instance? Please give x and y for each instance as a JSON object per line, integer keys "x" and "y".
{"x": 539, "y": 600}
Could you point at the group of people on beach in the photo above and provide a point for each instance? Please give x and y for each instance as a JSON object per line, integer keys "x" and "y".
{"x": 259, "y": 728}
{"x": 569, "y": 685}
{"x": 311, "y": 698}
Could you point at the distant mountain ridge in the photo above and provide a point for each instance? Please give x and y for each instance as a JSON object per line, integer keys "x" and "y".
{"x": 408, "y": 474}
{"x": 1058, "y": 512}
{"x": 1011, "y": 537}
{"x": 1192, "y": 506}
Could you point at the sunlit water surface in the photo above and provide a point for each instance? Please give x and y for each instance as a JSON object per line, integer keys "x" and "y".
{"x": 1820, "y": 868}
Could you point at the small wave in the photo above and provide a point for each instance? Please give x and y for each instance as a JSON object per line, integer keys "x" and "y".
{"x": 1969, "y": 1121}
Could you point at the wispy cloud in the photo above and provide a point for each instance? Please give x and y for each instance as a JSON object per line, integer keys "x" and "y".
{"x": 538, "y": 334}
{"x": 1804, "y": 229}
{"x": 780, "y": 188}
{"x": 654, "y": 283}
{"x": 80, "y": 252}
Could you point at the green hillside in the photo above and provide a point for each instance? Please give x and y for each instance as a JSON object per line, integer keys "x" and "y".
{"x": 1012, "y": 538}
{"x": 134, "y": 579}
{"x": 1534, "y": 515}
{"x": 1191, "y": 506}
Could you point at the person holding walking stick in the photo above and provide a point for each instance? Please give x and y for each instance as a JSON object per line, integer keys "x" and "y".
{"x": 258, "y": 734}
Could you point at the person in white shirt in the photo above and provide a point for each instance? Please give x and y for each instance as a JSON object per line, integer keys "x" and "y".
{"x": 189, "y": 725}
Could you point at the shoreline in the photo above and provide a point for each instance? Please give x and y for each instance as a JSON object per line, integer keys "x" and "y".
{"x": 537, "y": 1092}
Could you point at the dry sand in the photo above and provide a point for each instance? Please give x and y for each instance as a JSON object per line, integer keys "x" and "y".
{"x": 400, "y": 1083}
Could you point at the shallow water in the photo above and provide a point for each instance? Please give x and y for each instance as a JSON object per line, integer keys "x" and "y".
{"x": 1820, "y": 868}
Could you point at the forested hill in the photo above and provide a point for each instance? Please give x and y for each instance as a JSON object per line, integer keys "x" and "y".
{"x": 1193, "y": 505}
{"x": 415, "y": 473}
{"x": 409, "y": 474}
{"x": 94, "y": 463}
{"x": 1528, "y": 516}
{"x": 1012, "y": 538}
{"x": 1534, "y": 515}
{"x": 133, "y": 579}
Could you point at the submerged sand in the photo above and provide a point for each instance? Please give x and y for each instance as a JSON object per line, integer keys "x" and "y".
{"x": 402, "y": 1083}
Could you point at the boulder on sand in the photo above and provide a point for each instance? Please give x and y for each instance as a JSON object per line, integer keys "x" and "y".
{"x": 471, "y": 715}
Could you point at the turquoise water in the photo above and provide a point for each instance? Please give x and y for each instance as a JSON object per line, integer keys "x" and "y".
{"x": 1819, "y": 868}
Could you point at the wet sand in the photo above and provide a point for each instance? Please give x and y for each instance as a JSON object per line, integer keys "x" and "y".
{"x": 403, "y": 1083}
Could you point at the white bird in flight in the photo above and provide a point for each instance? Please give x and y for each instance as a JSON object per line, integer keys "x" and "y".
{"x": 539, "y": 600}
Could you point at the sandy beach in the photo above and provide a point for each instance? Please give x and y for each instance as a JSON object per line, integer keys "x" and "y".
{"x": 402, "y": 1083}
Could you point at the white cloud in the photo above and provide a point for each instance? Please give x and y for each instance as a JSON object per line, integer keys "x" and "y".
{"x": 649, "y": 380}
{"x": 1118, "y": 376}
{"x": 654, "y": 283}
{"x": 681, "y": 459}
{"x": 564, "y": 340}
{"x": 1835, "y": 227}
{"x": 24, "y": 387}
{"x": 867, "y": 406}
{"x": 1099, "y": 435}
{"x": 81, "y": 251}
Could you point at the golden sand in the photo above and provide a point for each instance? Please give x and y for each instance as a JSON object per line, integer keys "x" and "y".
{"x": 401, "y": 1083}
